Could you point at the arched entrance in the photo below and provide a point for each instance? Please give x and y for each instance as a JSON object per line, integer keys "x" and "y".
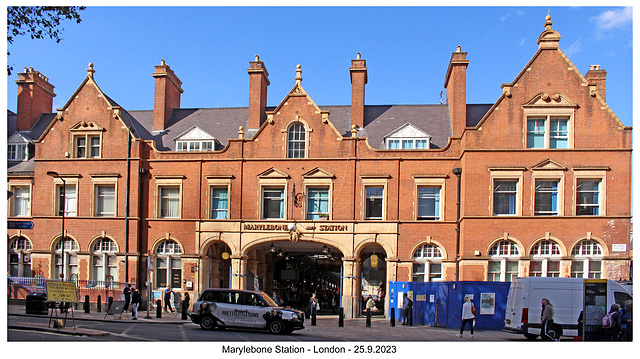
{"x": 373, "y": 279}
{"x": 216, "y": 262}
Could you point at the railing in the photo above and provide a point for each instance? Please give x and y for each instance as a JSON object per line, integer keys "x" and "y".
{"x": 37, "y": 284}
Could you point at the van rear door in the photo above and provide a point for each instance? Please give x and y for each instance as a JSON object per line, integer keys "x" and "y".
{"x": 515, "y": 300}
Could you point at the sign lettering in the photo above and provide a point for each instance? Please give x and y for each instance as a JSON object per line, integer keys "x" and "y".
{"x": 61, "y": 292}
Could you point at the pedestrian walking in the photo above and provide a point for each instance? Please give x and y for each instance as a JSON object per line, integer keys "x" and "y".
{"x": 185, "y": 305}
{"x": 136, "y": 300}
{"x": 127, "y": 296}
{"x": 313, "y": 305}
{"x": 546, "y": 319}
{"x": 407, "y": 305}
{"x": 627, "y": 328}
{"x": 167, "y": 299}
{"x": 613, "y": 332}
{"x": 468, "y": 316}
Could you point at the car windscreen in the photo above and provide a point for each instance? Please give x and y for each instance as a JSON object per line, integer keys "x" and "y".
{"x": 268, "y": 300}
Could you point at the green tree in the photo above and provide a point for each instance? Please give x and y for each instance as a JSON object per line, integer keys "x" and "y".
{"x": 39, "y": 22}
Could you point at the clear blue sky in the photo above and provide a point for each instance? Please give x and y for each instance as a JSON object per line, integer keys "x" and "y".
{"x": 407, "y": 51}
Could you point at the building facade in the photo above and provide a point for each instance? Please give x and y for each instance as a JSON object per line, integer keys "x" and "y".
{"x": 302, "y": 198}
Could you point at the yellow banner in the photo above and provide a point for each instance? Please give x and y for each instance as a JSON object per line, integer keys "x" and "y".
{"x": 61, "y": 292}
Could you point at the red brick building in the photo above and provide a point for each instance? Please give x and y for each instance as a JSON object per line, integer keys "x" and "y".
{"x": 302, "y": 197}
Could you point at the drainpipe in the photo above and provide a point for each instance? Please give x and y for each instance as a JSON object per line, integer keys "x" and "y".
{"x": 126, "y": 211}
{"x": 458, "y": 172}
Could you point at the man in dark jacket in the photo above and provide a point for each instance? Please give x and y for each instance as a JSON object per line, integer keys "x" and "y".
{"x": 127, "y": 296}
{"x": 136, "y": 300}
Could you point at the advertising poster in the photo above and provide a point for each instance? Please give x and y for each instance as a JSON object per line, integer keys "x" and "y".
{"x": 487, "y": 303}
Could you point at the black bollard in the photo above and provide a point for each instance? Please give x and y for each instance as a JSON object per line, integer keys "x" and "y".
{"x": 341, "y": 317}
{"x": 158, "y": 308}
{"x": 99, "y": 304}
{"x": 110, "y": 301}
{"x": 86, "y": 304}
{"x": 368, "y": 322}
{"x": 392, "y": 317}
{"x": 313, "y": 316}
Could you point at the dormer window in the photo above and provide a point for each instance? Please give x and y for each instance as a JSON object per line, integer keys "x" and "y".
{"x": 195, "y": 139}
{"x": 18, "y": 152}
{"x": 407, "y": 137}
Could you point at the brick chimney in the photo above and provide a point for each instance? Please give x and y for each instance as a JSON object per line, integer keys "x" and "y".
{"x": 599, "y": 78}
{"x": 358, "y": 80}
{"x": 167, "y": 95}
{"x": 258, "y": 82}
{"x": 35, "y": 97}
{"x": 456, "y": 85}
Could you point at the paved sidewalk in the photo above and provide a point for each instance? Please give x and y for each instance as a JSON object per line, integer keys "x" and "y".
{"x": 326, "y": 328}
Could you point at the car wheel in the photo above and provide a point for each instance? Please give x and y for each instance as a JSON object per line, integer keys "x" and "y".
{"x": 530, "y": 336}
{"x": 207, "y": 322}
{"x": 276, "y": 326}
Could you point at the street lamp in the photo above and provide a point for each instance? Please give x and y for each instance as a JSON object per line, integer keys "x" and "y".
{"x": 458, "y": 172}
{"x": 64, "y": 205}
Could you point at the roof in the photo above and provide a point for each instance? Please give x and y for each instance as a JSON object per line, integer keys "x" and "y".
{"x": 223, "y": 123}
{"x": 475, "y": 113}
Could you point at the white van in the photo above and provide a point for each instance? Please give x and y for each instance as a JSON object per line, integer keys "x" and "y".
{"x": 565, "y": 294}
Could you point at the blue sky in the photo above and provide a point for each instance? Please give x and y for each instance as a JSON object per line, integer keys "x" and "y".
{"x": 407, "y": 51}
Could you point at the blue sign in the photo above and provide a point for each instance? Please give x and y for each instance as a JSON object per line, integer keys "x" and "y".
{"x": 20, "y": 224}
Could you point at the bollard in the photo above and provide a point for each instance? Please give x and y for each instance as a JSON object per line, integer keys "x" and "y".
{"x": 86, "y": 304}
{"x": 368, "y": 322}
{"x": 158, "y": 308}
{"x": 392, "y": 317}
{"x": 341, "y": 317}
{"x": 313, "y": 316}
{"x": 110, "y": 301}
{"x": 99, "y": 304}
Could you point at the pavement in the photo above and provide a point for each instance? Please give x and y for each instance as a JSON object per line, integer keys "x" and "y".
{"x": 326, "y": 327}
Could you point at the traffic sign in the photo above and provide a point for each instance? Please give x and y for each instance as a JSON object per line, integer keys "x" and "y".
{"x": 20, "y": 224}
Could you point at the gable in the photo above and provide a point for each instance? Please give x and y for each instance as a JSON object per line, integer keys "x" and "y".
{"x": 549, "y": 165}
{"x": 408, "y": 131}
{"x": 195, "y": 133}
{"x": 16, "y": 137}
{"x": 318, "y": 173}
{"x": 272, "y": 173}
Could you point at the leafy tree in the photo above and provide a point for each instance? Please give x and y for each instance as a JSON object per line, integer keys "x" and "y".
{"x": 39, "y": 22}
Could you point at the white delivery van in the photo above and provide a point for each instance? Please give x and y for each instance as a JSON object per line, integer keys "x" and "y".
{"x": 524, "y": 306}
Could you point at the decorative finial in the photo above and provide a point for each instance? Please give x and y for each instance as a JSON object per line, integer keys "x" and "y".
{"x": 358, "y": 56}
{"x": 548, "y": 17}
{"x": 459, "y": 49}
{"x": 257, "y": 58}
{"x": 90, "y": 70}
{"x": 548, "y": 22}
{"x": 162, "y": 63}
{"x": 298, "y": 73}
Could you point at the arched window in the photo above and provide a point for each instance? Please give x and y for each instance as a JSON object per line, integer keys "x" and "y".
{"x": 505, "y": 261}
{"x": 168, "y": 264}
{"x": 104, "y": 263}
{"x": 20, "y": 258}
{"x": 587, "y": 260}
{"x": 70, "y": 258}
{"x": 296, "y": 141}
{"x": 545, "y": 259}
{"x": 427, "y": 266}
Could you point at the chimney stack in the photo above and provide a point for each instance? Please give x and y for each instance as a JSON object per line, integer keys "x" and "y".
{"x": 35, "y": 97}
{"x": 599, "y": 78}
{"x": 258, "y": 82}
{"x": 167, "y": 95}
{"x": 456, "y": 85}
{"x": 358, "y": 80}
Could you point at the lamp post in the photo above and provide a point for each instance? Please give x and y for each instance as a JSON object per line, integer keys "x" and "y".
{"x": 63, "y": 201}
{"x": 458, "y": 172}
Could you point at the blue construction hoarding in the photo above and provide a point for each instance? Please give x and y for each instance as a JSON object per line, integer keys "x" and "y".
{"x": 440, "y": 303}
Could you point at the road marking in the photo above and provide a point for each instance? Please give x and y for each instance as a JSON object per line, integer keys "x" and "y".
{"x": 184, "y": 335}
{"x": 243, "y": 337}
{"x": 128, "y": 329}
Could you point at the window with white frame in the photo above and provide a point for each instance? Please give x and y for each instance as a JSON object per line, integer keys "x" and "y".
{"x": 296, "y": 141}
{"x": 317, "y": 202}
{"x": 87, "y": 146}
{"x": 219, "y": 202}
{"x": 18, "y": 152}
{"x": 168, "y": 264}
{"x": 545, "y": 259}
{"x": 194, "y": 145}
{"x": 547, "y": 132}
{"x": 429, "y": 203}
{"x": 273, "y": 203}
{"x": 67, "y": 200}
{"x": 70, "y": 258}
{"x": 20, "y": 257}
{"x": 21, "y": 201}
{"x": 505, "y": 261}
{"x": 105, "y": 200}
{"x": 546, "y": 198}
{"x": 588, "y": 197}
{"x": 427, "y": 266}
{"x": 587, "y": 260}
{"x": 104, "y": 263}
{"x": 505, "y": 195}
{"x": 374, "y": 202}
{"x": 169, "y": 201}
